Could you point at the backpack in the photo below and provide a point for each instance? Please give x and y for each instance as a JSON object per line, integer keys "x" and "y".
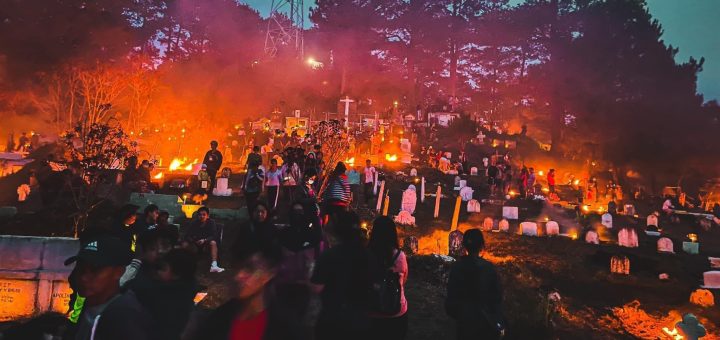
{"x": 386, "y": 291}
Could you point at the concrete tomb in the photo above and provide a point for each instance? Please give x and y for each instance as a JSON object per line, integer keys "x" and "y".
{"x": 628, "y": 238}
{"x": 473, "y": 206}
{"x": 33, "y": 276}
{"x": 665, "y": 245}
{"x": 511, "y": 213}
{"x": 528, "y": 228}
{"x": 504, "y": 225}
{"x": 607, "y": 220}
{"x": 552, "y": 228}
{"x": 592, "y": 237}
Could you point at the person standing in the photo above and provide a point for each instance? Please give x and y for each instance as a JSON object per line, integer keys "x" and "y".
{"x": 474, "y": 295}
{"x": 531, "y": 181}
{"x": 213, "y": 159}
{"x": 387, "y": 258}
{"x": 108, "y": 312}
{"x": 254, "y": 158}
{"x": 253, "y": 185}
{"x": 336, "y": 196}
{"x": 354, "y": 181}
{"x": 273, "y": 178}
{"x": 551, "y": 180}
{"x": 370, "y": 173}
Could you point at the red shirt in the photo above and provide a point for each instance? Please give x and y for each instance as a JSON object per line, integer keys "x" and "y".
{"x": 250, "y": 329}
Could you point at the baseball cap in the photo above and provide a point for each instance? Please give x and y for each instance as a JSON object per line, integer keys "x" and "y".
{"x": 103, "y": 252}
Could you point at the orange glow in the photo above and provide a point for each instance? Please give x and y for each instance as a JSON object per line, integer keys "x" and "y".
{"x": 158, "y": 176}
{"x": 692, "y": 237}
{"x": 573, "y": 234}
{"x": 541, "y": 173}
{"x": 350, "y": 161}
{"x": 175, "y": 164}
{"x": 189, "y": 167}
{"x": 391, "y": 158}
{"x": 673, "y": 334}
{"x": 576, "y": 182}
{"x": 512, "y": 193}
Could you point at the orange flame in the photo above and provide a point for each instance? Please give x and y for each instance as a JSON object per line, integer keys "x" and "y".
{"x": 175, "y": 164}
{"x": 350, "y": 161}
{"x": 391, "y": 158}
{"x": 158, "y": 176}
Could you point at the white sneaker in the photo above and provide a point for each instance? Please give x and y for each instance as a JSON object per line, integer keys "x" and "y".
{"x": 216, "y": 269}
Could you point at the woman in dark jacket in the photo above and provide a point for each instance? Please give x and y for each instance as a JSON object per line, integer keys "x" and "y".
{"x": 474, "y": 295}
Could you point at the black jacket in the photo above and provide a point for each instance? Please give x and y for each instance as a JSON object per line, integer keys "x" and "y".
{"x": 124, "y": 318}
{"x": 473, "y": 294}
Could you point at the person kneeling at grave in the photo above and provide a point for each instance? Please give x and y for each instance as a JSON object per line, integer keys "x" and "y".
{"x": 474, "y": 295}
{"x": 201, "y": 235}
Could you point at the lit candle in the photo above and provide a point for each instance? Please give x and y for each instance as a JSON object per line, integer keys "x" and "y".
{"x": 387, "y": 205}
{"x": 456, "y": 214}
{"x": 422, "y": 190}
{"x": 380, "y": 196}
{"x": 437, "y": 201}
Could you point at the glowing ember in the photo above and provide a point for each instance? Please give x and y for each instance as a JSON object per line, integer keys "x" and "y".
{"x": 350, "y": 161}
{"x": 692, "y": 237}
{"x": 391, "y": 158}
{"x": 541, "y": 173}
{"x": 673, "y": 334}
{"x": 158, "y": 176}
{"x": 576, "y": 182}
{"x": 175, "y": 164}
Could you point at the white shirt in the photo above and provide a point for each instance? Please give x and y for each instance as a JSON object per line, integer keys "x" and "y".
{"x": 273, "y": 178}
{"x": 370, "y": 174}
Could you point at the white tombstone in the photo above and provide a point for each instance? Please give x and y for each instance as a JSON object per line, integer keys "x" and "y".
{"x": 592, "y": 237}
{"x": 711, "y": 279}
{"x": 413, "y": 172}
{"x": 691, "y": 247}
{"x": 473, "y": 206}
{"x": 466, "y": 194}
{"x": 474, "y": 171}
{"x": 629, "y": 209}
{"x": 607, "y": 220}
{"x": 487, "y": 224}
{"x": 665, "y": 245}
{"x": 462, "y": 183}
{"x": 652, "y": 220}
{"x": 404, "y": 218}
{"x": 221, "y": 187}
{"x": 409, "y": 199}
{"x": 504, "y": 225}
{"x": 511, "y": 213}
{"x": 628, "y": 238}
{"x": 552, "y": 228}
{"x": 529, "y": 228}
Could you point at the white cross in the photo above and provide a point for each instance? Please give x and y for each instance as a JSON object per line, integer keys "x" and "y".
{"x": 347, "y": 102}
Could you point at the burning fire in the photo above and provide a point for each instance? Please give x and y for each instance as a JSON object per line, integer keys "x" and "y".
{"x": 391, "y": 158}
{"x": 178, "y": 163}
{"x": 350, "y": 161}
{"x": 158, "y": 176}
{"x": 692, "y": 237}
{"x": 673, "y": 334}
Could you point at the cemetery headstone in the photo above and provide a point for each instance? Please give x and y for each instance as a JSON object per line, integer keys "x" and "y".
{"x": 528, "y": 228}
{"x": 455, "y": 240}
{"x": 504, "y": 225}
{"x": 691, "y": 247}
{"x": 473, "y": 206}
{"x": 592, "y": 237}
{"x": 552, "y": 228}
{"x": 409, "y": 199}
{"x": 511, "y": 213}
{"x": 627, "y": 237}
{"x": 466, "y": 193}
{"x": 665, "y": 245}
{"x": 711, "y": 279}
{"x": 652, "y": 220}
{"x": 487, "y": 224}
{"x": 474, "y": 171}
{"x": 620, "y": 265}
{"x": 404, "y": 218}
{"x": 607, "y": 220}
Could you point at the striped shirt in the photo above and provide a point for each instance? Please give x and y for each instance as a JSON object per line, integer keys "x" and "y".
{"x": 337, "y": 191}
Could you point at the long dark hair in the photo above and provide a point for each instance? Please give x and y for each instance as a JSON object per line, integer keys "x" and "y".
{"x": 383, "y": 238}
{"x": 340, "y": 169}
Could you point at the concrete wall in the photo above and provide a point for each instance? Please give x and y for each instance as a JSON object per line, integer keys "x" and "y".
{"x": 33, "y": 277}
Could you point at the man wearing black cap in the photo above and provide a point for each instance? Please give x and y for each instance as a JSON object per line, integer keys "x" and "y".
{"x": 108, "y": 313}
{"x": 474, "y": 295}
{"x": 213, "y": 159}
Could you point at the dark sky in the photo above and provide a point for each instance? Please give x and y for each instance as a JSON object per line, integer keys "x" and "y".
{"x": 691, "y": 25}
